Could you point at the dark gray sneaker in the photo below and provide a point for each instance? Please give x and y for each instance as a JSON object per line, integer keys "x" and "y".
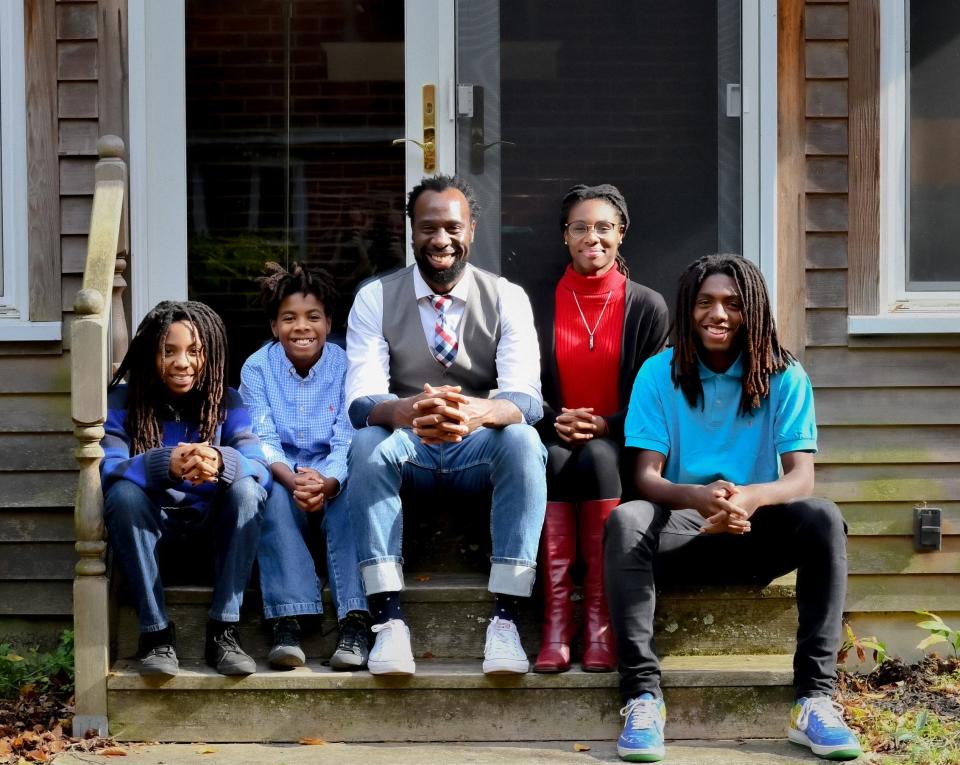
{"x": 157, "y": 653}
{"x": 353, "y": 647}
{"x": 223, "y": 651}
{"x": 286, "y": 652}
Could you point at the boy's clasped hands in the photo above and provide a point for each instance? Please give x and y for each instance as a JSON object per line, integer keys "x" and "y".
{"x": 726, "y": 507}
{"x": 195, "y": 463}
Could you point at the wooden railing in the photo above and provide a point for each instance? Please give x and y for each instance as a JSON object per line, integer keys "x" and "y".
{"x": 94, "y": 335}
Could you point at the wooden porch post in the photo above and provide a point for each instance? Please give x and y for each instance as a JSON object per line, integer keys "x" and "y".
{"x": 90, "y": 335}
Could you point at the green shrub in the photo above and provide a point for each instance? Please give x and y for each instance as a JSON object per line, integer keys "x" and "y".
{"x": 45, "y": 672}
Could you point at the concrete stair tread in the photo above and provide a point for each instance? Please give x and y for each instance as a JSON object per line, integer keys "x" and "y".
{"x": 678, "y": 671}
{"x": 430, "y": 587}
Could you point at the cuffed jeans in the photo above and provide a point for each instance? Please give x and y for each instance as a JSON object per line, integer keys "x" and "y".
{"x": 644, "y": 541}
{"x": 136, "y": 523}
{"x": 288, "y": 576}
{"x": 509, "y": 460}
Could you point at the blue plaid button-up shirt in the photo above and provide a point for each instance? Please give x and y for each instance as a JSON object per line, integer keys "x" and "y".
{"x": 300, "y": 420}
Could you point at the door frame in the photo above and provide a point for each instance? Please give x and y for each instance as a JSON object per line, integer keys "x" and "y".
{"x": 157, "y": 118}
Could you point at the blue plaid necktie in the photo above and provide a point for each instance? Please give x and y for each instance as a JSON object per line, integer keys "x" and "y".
{"x": 445, "y": 341}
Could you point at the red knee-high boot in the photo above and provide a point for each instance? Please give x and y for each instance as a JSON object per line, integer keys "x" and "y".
{"x": 558, "y": 550}
{"x": 599, "y": 653}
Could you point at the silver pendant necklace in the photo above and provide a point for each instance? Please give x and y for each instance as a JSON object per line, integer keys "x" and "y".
{"x": 590, "y": 332}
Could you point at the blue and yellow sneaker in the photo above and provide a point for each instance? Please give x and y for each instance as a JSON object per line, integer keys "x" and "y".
{"x": 642, "y": 737}
{"x": 817, "y": 723}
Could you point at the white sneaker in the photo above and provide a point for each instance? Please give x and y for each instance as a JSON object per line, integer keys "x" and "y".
{"x": 503, "y": 654}
{"x": 391, "y": 654}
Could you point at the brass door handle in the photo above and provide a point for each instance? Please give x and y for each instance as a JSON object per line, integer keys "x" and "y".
{"x": 428, "y": 145}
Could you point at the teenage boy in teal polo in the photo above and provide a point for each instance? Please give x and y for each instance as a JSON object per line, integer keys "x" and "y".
{"x": 714, "y": 418}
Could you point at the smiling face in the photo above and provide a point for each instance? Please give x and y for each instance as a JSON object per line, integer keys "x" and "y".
{"x": 301, "y": 326}
{"x": 442, "y": 234}
{"x": 717, "y": 321}
{"x": 591, "y": 253}
{"x": 180, "y": 359}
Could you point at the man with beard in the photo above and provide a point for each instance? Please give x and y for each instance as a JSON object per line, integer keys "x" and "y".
{"x": 444, "y": 387}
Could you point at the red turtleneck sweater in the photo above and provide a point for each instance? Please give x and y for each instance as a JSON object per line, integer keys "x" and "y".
{"x": 590, "y": 377}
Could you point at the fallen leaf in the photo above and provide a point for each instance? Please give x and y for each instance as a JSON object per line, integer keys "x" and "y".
{"x": 113, "y": 751}
{"x": 206, "y": 750}
{"x": 423, "y": 578}
{"x": 12, "y": 657}
{"x": 313, "y": 742}
{"x": 427, "y": 655}
{"x": 581, "y": 748}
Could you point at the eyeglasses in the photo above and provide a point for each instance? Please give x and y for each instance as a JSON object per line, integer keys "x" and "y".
{"x": 578, "y": 229}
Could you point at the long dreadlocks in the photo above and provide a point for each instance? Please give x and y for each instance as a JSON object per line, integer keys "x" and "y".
{"x": 761, "y": 351}
{"x": 278, "y": 284}
{"x": 608, "y": 193}
{"x": 147, "y": 390}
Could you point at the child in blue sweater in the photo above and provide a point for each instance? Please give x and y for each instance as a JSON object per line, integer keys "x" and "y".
{"x": 180, "y": 461}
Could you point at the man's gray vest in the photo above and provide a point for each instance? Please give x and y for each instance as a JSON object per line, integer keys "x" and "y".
{"x": 411, "y": 362}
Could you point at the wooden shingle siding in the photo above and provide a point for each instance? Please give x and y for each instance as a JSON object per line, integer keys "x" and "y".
{"x": 39, "y": 598}
{"x": 67, "y": 61}
{"x": 888, "y": 408}
{"x": 42, "y": 191}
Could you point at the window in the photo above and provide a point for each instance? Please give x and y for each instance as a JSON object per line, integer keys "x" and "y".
{"x": 14, "y": 292}
{"x": 919, "y": 169}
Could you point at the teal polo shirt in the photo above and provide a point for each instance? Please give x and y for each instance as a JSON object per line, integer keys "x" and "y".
{"x": 716, "y": 442}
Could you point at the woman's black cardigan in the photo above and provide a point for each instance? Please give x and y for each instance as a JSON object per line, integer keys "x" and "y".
{"x": 646, "y": 322}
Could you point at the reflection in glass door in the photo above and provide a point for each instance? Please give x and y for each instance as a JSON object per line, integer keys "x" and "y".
{"x": 644, "y": 95}
{"x": 292, "y": 106}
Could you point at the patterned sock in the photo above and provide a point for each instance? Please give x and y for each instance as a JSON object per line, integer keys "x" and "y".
{"x": 507, "y": 607}
{"x": 385, "y": 606}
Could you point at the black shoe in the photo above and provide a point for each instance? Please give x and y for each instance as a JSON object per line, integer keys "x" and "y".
{"x": 286, "y": 652}
{"x": 157, "y": 653}
{"x": 223, "y": 651}
{"x": 353, "y": 647}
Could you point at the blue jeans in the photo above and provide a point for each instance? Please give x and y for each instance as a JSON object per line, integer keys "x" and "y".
{"x": 510, "y": 461}
{"x": 136, "y": 523}
{"x": 288, "y": 577}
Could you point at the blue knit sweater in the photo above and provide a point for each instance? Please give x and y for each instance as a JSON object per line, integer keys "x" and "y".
{"x": 234, "y": 439}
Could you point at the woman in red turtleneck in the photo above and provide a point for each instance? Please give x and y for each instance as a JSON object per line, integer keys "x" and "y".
{"x": 596, "y": 329}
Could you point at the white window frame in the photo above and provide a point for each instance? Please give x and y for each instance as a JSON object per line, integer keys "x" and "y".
{"x": 15, "y": 324}
{"x": 158, "y": 153}
{"x": 901, "y": 311}
{"x": 759, "y": 138}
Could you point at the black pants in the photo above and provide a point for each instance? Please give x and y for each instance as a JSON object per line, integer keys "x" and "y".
{"x": 583, "y": 472}
{"x": 644, "y": 542}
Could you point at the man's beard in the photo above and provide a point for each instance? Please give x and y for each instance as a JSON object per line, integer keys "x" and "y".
{"x": 441, "y": 276}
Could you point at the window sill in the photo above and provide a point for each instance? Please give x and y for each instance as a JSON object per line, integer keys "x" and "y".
{"x": 906, "y": 323}
{"x": 14, "y": 330}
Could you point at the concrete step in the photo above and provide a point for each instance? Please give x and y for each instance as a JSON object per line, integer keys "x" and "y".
{"x": 448, "y": 614}
{"x": 740, "y": 752}
{"x": 708, "y": 697}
